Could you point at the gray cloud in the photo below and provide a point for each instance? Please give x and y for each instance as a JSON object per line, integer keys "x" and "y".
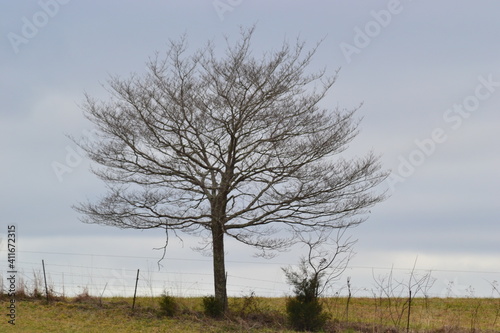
{"x": 426, "y": 60}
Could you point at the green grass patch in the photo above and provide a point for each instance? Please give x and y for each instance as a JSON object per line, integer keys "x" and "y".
{"x": 249, "y": 314}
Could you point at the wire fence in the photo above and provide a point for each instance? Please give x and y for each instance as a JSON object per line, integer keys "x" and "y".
{"x": 72, "y": 274}
{"x": 93, "y": 274}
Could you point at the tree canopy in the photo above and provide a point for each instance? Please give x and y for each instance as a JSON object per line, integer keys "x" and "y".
{"x": 234, "y": 145}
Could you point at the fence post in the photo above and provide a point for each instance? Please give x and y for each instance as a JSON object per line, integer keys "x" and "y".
{"x": 348, "y": 299}
{"x": 409, "y": 312}
{"x": 135, "y": 291}
{"x": 45, "y": 279}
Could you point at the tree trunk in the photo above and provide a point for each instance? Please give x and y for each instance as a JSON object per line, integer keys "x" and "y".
{"x": 219, "y": 264}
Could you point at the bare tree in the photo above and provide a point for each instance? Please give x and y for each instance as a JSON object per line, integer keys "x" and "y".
{"x": 234, "y": 146}
{"x": 394, "y": 291}
{"x": 327, "y": 258}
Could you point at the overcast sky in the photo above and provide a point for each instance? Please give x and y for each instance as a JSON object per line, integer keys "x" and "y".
{"x": 426, "y": 72}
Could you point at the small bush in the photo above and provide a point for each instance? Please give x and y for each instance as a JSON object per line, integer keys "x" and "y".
{"x": 212, "y": 307}
{"x": 247, "y": 305}
{"x": 168, "y": 306}
{"x": 306, "y": 315}
{"x": 85, "y": 297}
{"x": 305, "y": 312}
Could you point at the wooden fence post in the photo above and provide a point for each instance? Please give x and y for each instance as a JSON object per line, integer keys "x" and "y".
{"x": 135, "y": 291}
{"x": 45, "y": 279}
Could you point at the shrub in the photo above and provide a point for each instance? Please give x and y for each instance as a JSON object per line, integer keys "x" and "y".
{"x": 249, "y": 306}
{"x": 305, "y": 312}
{"x": 212, "y": 307}
{"x": 168, "y": 305}
{"x": 306, "y": 315}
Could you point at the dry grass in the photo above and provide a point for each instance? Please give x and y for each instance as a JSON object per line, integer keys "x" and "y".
{"x": 250, "y": 314}
{"x": 427, "y": 314}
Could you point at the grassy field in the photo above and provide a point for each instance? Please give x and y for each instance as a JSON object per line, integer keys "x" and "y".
{"x": 251, "y": 314}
